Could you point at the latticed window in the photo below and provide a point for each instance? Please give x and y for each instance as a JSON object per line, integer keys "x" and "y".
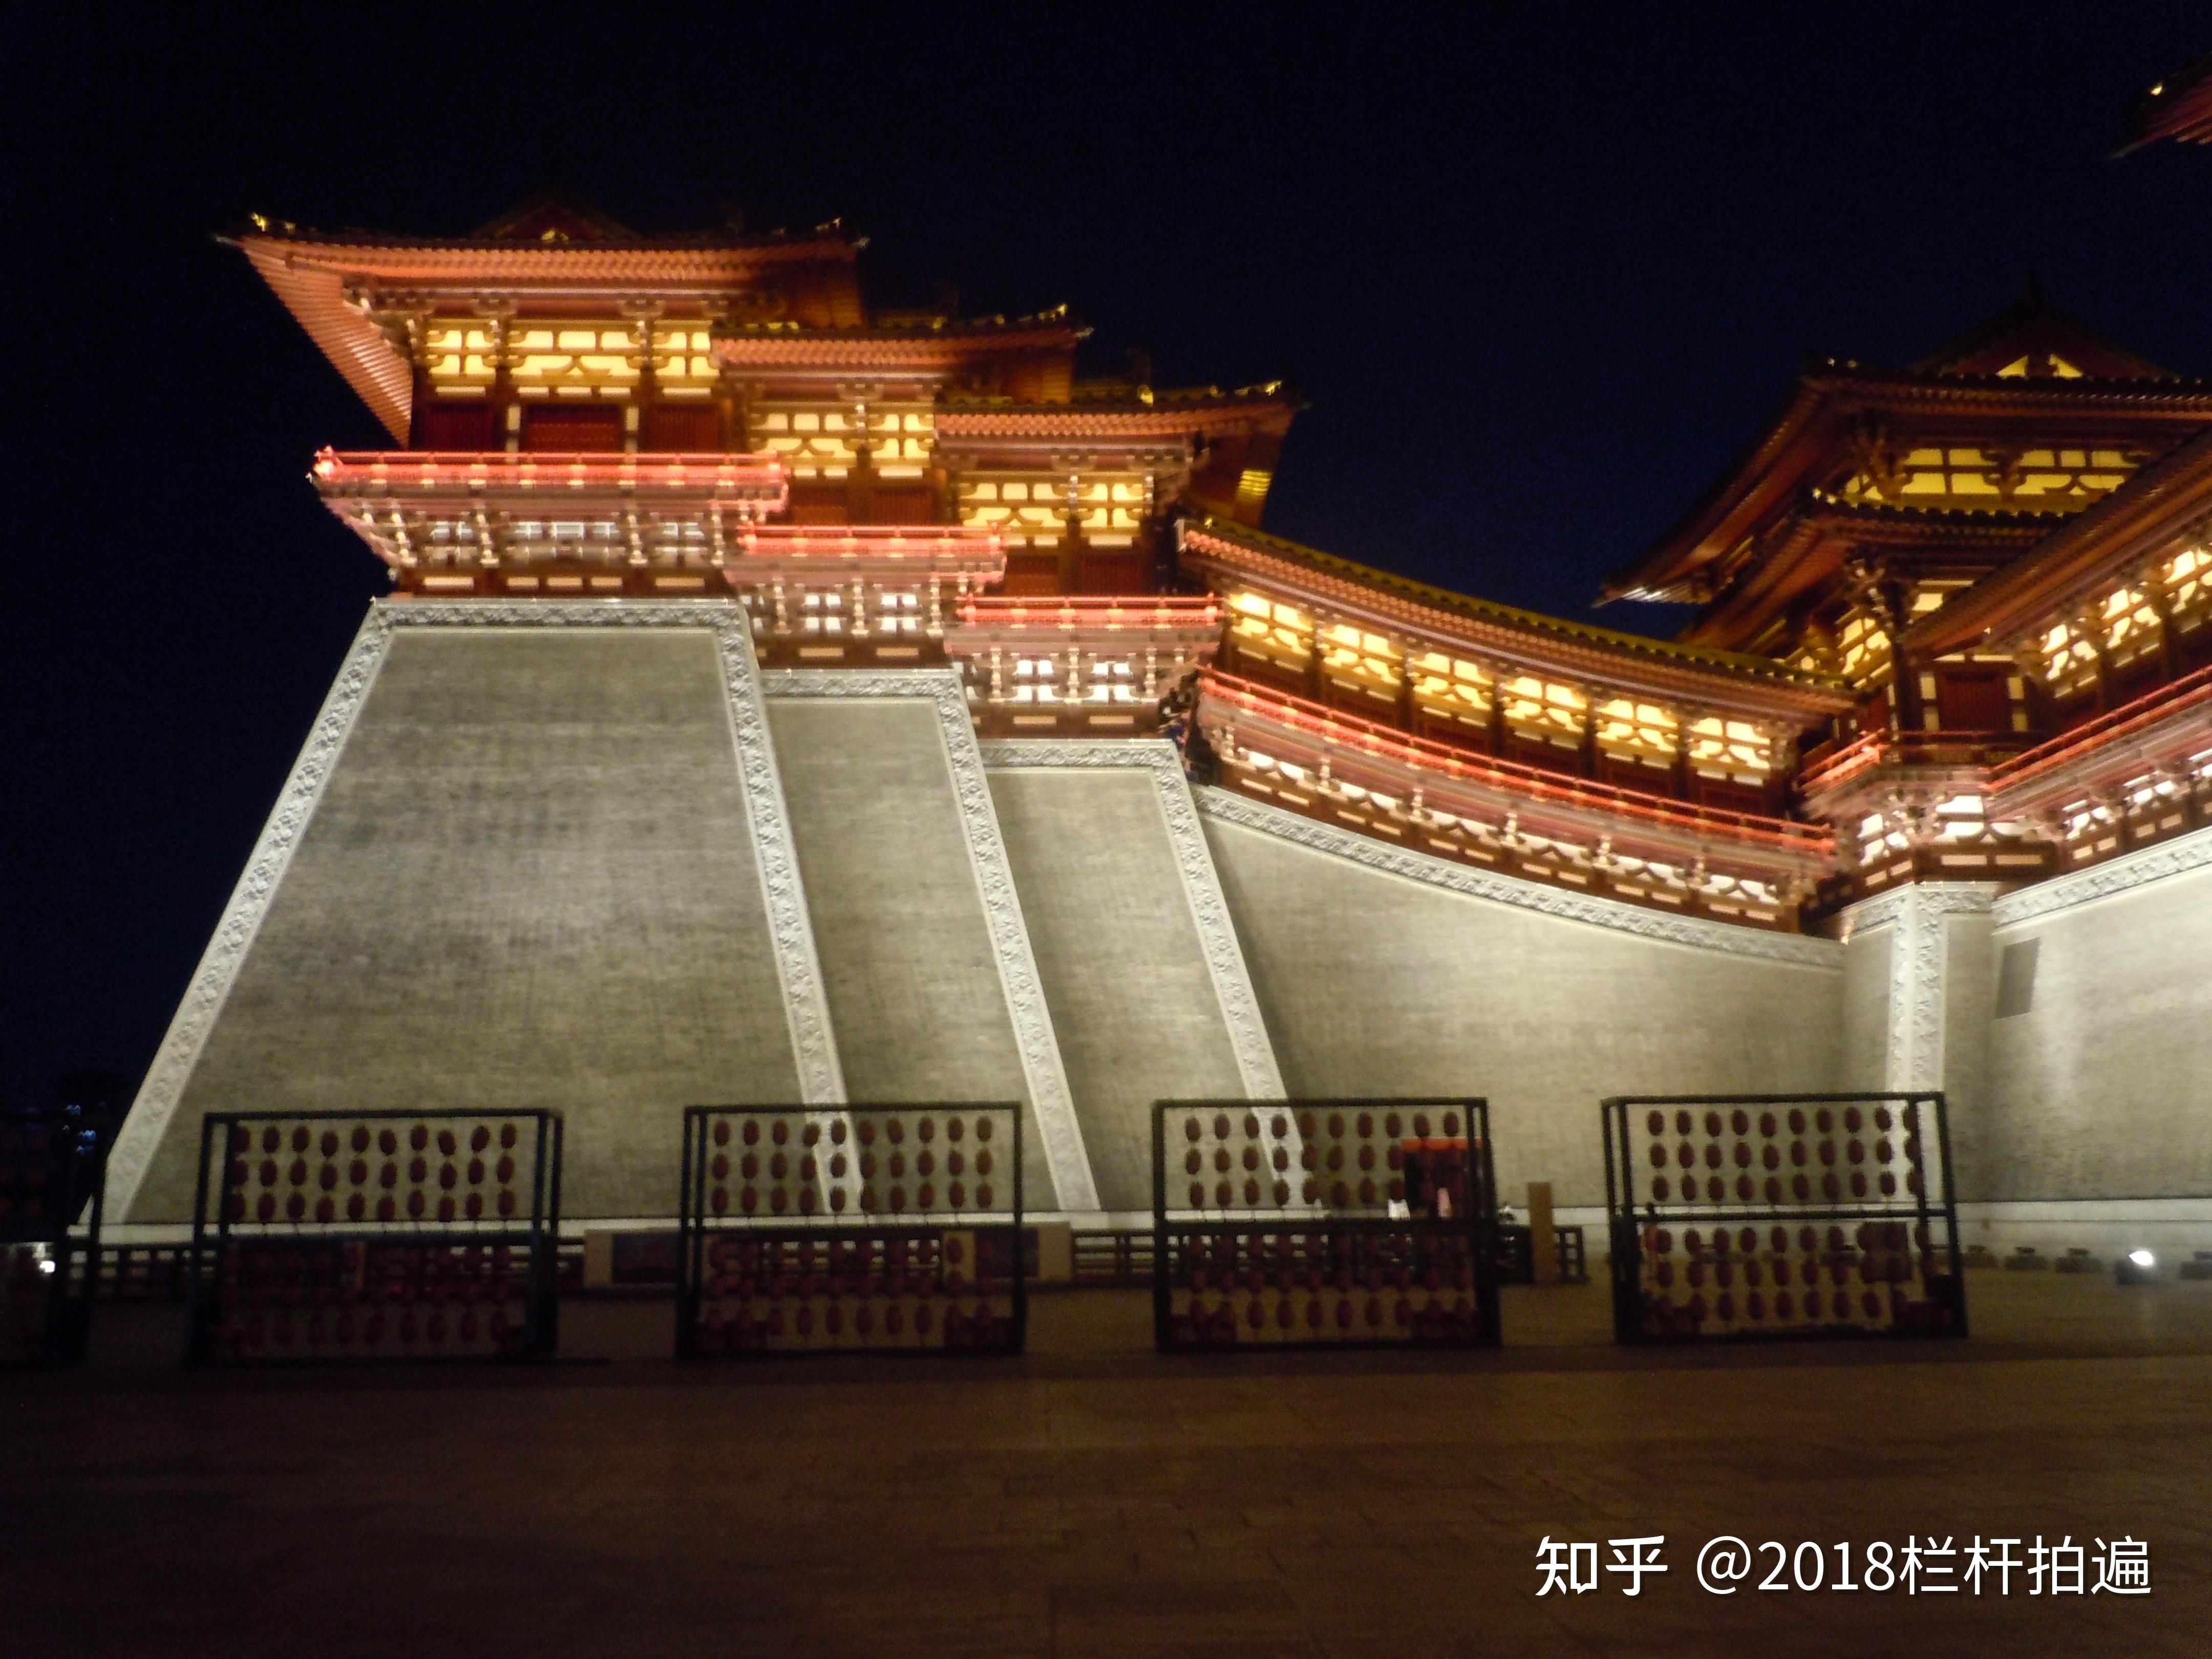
{"x": 1280, "y": 634}
{"x": 573, "y": 359}
{"x": 1540, "y": 712}
{"x": 2187, "y": 579}
{"x": 1030, "y": 511}
{"x": 1450, "y": 687}
{"x": 1037, "y": 679}
{"x": 901, "y": 442}
{"x": 2051, "y": 479}
{"x": 2069, "y": 661}
{"x": 1862, "y": 649}
{"x": 1361, "y": 662}
{"x": 898, "y": 613}
{"x": 1110, "y": 681}
{"x": 822, "y": 613}
{"x": 1627, "y": 730}
{"x": 813, "y": 443}
{"x": 1730, "y": 748}
{"x": 1109, "y": 508}
{"x": 683, "y": 362}
{"x": 458, "y": 357}
{"x": 2130, "y": 627}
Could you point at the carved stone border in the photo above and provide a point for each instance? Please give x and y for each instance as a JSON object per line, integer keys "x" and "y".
{"x": 942, "y": 689}
{"x": 1697, "y": 931}
{"x": 2114, "y": 877}
{"x": 814, "y": 1049}
{"x": 1917, "y": 983}
{"x": 1201, "y": 885}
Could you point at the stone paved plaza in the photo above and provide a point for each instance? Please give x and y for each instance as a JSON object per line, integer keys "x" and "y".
{"x": 1094, "y": 1498}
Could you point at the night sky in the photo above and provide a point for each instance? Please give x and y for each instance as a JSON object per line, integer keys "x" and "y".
{"x": 1541, "y": 270}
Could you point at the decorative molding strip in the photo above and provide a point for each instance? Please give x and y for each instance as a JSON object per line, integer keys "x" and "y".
{"x": 2110, "y": 878}
{"x": 1915, "y": 1036}
{"x": 1696, "y": 932}
{"x": 211, "y": 981}
{"x": 1046, "y": 1077}
{"x": 813, "y": 1048}
{"x": 775, "y": 855}
{"x": 1201, "y": 885}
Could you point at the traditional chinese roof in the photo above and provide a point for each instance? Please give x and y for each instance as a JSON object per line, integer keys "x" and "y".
{"x": 1697, "y": 674}
{"x": 2178, "y": 108}
{"x": 1830, "y": 531}
{"x": 2030, "y": 341}
{"x": 2080, "y": 561}
{"x": 1832, "y": 404}
{"x": 921, "y": 347}
{"x": 333, "y": 282}
{"x": 1164, "y": 415}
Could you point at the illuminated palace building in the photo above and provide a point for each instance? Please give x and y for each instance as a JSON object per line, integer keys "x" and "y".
{"x": 780, "y": 698}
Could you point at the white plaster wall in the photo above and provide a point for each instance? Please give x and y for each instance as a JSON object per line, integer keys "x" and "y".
{"x": 1375, "y": 983}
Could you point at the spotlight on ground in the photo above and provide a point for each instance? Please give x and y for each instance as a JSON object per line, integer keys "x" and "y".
{"x": 2136, "y": 1267}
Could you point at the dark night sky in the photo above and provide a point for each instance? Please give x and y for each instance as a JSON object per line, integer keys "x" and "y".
{"x": 1541, "y": 270}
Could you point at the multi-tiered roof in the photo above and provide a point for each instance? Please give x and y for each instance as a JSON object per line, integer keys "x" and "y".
{"x": 586, "y": 411}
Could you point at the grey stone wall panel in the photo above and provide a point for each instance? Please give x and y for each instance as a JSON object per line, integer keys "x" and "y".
{"x": 530, "y": 881}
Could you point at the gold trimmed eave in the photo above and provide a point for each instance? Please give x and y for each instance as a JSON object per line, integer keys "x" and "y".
{"x": 1831, "y": 398}
{"x": 331, "y": 284}
{"x": 921, "y": 348}
{"x": 407, "y": 258}
{"x": 1827, "y": 531}
{"x": 1168, "y": 416}
{"x": 1725, "y": 682}
{"x": 2178, "y": 108}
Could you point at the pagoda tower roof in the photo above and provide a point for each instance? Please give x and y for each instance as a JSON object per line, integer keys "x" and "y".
{"x": 2079, "y": 560}
{"x": 2178, "y": 108}
{"x": 2029, "y": 340}
{"x": 343, "y": 286}
{"x": 2028, "y": 376}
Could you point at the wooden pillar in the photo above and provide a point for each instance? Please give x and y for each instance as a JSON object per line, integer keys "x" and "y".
{"x": 1071, "y": 539}
{"x": 861, "y": 476}
{"x": 1683, "y": 781}
{"x": 642, "y": 314}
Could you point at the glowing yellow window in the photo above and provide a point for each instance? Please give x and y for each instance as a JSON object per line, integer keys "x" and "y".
{"x": 2130, "y": 626}
{"x": 1732, "y": 749}
{"x": 1278, "y": 633}
{"x": 1362, "y": 662}
{"x": 2070, "y": 660}
{"x": 1451, "y": 688}
{"x": 1639, "y": 732}
{"x": 2188, "y": 582}
{"x": 1862, "y": 649}
{"x": 459, "y": 358}
{"x": 1539, "y": 711}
